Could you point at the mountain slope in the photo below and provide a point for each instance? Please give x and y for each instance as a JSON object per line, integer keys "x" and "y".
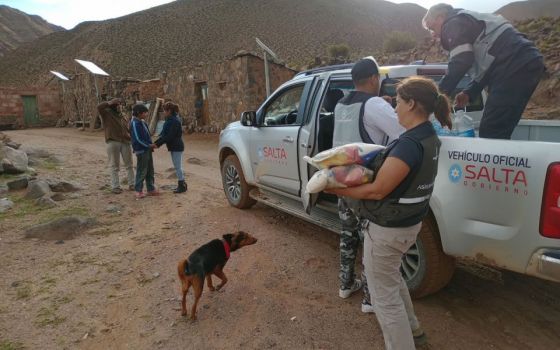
{"x": 187, "y": 32}
{"x": 522, "y": 10}
{"x": 17, "y": 27}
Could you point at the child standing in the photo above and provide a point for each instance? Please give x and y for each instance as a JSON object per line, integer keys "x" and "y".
{"x": 172, "y": 136}
{"x": 142, "y": 147}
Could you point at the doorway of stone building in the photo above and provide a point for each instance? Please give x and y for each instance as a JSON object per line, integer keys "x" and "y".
{"x": 30, "y": 111}
{"x": 201, "y": 103}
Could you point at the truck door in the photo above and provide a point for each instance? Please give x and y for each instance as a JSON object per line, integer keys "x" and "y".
{"x": 274, "y": 145}
{"x": 319, "y": 130}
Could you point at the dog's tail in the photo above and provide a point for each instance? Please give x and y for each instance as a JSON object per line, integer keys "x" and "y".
{"x": 186, "y": 269}
{"x": 182, "y": 268}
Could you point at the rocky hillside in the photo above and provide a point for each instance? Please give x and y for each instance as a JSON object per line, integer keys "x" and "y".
{"x": 187, "y": 32}
{"x": 17, "y": 27}
{"x": 523, "y": 10}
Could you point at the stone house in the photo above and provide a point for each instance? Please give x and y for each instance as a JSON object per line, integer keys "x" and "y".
{"x": 29, "y": 107}
{"x": 210, "y": 96}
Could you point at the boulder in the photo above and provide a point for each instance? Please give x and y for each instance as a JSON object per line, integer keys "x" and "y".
{"x": 63, "y": 186}
{"x": 64, "y": 228}
{"x": 5, "y": 205}
{"x": 37, "y": 189}
{"x": 18, "y": 184}
{"x": 13, "y": 144}
{"x": 46, "y": 202}
{"x": 13, "y": 161}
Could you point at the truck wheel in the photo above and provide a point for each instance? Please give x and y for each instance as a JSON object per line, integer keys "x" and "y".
{"x": 425, "y": 267}
{"x": 235, "y": 186}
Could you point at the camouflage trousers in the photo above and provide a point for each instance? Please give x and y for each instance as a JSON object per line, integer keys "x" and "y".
{"x": 351, "y": 236}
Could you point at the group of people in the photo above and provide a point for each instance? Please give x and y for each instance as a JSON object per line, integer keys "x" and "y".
{"x": 127, "y": 135}
{"x": 387, "y": 214}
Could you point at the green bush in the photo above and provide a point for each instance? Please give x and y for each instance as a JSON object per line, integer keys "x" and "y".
{"x": 398, "y": 41}
{"x": 338, "y": 50}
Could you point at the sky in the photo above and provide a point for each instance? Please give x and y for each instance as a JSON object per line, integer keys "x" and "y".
{"x": 68, "y": 13}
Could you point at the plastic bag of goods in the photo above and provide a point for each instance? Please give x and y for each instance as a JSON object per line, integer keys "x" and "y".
{"x": 352, "y": 153}
{"x": 339, "y": 177}
{"x": 463, "y": 125}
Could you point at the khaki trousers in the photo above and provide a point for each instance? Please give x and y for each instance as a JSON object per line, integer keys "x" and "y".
{"x": 383, "y": 251}
{"x": 116, "y": 150}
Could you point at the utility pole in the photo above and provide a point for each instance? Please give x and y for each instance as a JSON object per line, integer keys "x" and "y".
{"x": 266, "y": 52}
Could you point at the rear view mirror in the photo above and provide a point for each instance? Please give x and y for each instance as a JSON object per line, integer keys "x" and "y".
{"x": 249, "y": 118}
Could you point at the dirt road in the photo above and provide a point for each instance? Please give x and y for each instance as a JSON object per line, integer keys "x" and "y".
{"x": 115, "y": 286}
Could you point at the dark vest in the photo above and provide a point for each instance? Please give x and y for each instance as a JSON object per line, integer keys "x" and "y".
{"x": 409, "y": 206}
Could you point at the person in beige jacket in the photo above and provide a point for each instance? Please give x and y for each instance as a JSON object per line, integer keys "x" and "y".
{"x": 117, "y": 137}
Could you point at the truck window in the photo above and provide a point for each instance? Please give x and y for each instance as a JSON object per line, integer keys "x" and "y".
{"x": 283, "y": 110}
{"x": 389, "y": 88}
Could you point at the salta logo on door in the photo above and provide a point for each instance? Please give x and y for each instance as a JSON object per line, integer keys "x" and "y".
{"x": 277, "y": 155}
{"x": 489, "y": 172}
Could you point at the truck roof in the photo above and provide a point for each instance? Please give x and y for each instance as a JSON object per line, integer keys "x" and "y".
{"x": 398, "y": 71}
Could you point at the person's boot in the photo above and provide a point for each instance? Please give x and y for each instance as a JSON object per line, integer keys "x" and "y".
{"x": 181, "y": 187}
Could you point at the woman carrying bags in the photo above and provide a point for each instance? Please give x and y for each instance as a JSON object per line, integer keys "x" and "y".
{"x": 172, "y": 136}
{"x": 395, "y": 204}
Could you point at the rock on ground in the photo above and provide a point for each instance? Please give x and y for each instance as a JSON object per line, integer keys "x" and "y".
{"x": 64, "y": 228}
{"x": 37, "y": 189}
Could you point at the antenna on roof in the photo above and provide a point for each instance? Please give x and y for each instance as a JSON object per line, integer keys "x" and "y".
{"x": 266, "y": 51}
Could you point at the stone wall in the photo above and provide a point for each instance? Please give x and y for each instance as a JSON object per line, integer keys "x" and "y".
{"x": 235, "y": 85}
{"x": 12, "y": 112}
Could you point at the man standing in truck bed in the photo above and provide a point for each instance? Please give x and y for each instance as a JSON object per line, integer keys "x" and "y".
{"x": 361, "y": 116}
{"x": 496, "y": 56}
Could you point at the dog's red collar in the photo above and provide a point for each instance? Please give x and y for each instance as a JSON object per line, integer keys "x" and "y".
{"x": 226, "y": 248}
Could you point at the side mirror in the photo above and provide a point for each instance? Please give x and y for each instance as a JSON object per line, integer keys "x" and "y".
{"x": 249, "y": 118}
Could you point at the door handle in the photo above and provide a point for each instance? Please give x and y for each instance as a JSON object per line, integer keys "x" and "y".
{"x": 305, "y": 145}
{"x": 288, "y": 139}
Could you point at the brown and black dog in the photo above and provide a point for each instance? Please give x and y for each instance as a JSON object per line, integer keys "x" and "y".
{"x": 206, "y": 261}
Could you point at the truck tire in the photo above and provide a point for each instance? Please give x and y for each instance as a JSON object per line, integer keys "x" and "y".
{"x": 425, "y": 267}
{"x": 235, "y": 187}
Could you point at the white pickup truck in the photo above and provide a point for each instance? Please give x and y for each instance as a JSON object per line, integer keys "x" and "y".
{"x": 496, "y": 202}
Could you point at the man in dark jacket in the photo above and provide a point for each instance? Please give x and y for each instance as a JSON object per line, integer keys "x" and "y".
{"x": 496, "y": 56}
{"x": 117, "y": 137}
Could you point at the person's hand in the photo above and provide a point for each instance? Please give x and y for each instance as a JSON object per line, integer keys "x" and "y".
{"x": 389, "y": 99}
{"x": 461, "y": 100}
{"x": 153, "y": 146}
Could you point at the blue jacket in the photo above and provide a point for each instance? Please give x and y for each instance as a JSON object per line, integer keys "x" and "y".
{"x": 172, "y": 134}
{"x": 140, "y": 136}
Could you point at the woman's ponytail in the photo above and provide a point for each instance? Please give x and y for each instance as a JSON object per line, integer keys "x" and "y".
{"x": 442, "y": 110}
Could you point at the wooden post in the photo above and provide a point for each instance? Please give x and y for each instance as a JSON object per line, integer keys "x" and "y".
{"x": 154, "y": 119}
